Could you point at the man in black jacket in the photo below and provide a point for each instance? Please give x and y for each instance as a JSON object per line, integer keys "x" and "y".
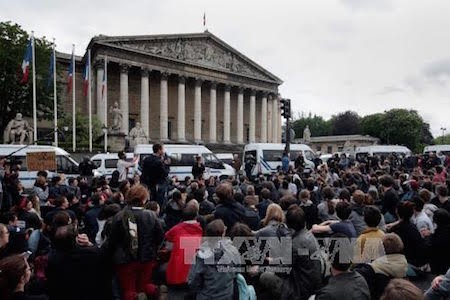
{"x": 155, "y": 169}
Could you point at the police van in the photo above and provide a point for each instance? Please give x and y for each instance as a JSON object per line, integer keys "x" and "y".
{"x": 444, "y": 149}
{"x": 363, "y": 152}
{"x": 267, "y": 156}
{"x": 182, "y": 158}
{"x": 106, "y": 163}
{"x": 17, "y": 154}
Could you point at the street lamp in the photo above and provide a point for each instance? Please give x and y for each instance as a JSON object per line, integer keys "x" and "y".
{"x": 443, "y": 133}
{"x": 105, "y": 133}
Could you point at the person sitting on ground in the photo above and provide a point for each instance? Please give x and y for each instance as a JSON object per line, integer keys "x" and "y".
{"x": 440, "y": 287}
{"x": 14, "y": 276}
{"x": 441, "y": 199}
{"x": 368, "y": 244}
{"x": 264, "y": 203}
{"x": 174, "y": 210}
{"x": 344, "y": 226}
{"x": 326, "y": 209}
{"x": 400, "y": 289}
{"x": 357, "y": 215}
{"x": 428, "y": 207}
{"x": 420, "y": 219}
{"x": 227, "y": 209}
{"x": 309, "y": 208}
{"x": 205, "y": 278}
{"x": 184, "y": 239}
{"x": 343, "y": 284}
{"x": 391, "y": 264}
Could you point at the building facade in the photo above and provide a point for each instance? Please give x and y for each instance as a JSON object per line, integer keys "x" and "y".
{"x": 340, "y": 143}
{"x": 186, "y": 88}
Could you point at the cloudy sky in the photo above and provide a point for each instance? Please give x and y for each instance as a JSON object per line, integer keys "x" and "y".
{"x": 333, "y": 55}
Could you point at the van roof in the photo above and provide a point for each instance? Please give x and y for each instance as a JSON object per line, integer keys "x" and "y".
{"x": 274, "y": 146}
{"x": 383, "y": 148}
{"x": 436, "y": 148}
{"x": 110, "y": 155}
{"x": 8, "y": 149}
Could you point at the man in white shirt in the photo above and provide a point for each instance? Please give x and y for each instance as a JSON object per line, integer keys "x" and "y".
{"x": 123, "y": 166}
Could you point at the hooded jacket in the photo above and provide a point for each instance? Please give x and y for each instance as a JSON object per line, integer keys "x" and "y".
{"x": 185, "y": 238}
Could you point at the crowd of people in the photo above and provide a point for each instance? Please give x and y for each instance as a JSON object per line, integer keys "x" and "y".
{"x": 362, "y": 228}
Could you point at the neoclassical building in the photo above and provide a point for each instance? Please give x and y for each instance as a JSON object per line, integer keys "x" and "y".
{"x": 187, "y": 88}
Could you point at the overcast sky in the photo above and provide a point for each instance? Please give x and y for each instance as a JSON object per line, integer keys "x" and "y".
{"x": 333, "y": 55}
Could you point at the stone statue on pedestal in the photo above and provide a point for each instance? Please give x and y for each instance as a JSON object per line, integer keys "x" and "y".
{"x": 307, "y": 134}
{"x": 18, "y": 131}
{"x": 116, "y": 116}
{"x": 138, "y": 135}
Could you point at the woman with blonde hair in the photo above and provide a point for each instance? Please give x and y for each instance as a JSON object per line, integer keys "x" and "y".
{"x": 274, "y": 223}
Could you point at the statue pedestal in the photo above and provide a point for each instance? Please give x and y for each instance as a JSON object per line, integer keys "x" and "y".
{"x": 116, "y": 142}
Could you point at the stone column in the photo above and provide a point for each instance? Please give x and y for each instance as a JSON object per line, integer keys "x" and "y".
{"x": 100, "y": 102}
{"x": 145, "y": 98}
{"x": 213, "y": 113}
{"x": 124, "y": 97}
{"x": 240, "y": 116}
{"x": 163, "y": 109}
{"x": 198, "y": 111}
{"x": 269, "y": 120}
{"x": 181, "y": 123}
{"x": 264, "y": 118}
{"x": 275, "y": 120}
{"x": 280, "y": 121}
{"x": 226, "y": 115}
{"x": 252, "y": 123}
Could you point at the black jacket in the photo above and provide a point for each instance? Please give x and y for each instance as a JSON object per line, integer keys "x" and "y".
{"x": 415, "y": 247}
{"x": 348, "y": 285}
{"x": 154, "y": 171}
{"x": 440, "y": 250}
{"x": 230, "y": 212}
{"x": 149, "y": 231}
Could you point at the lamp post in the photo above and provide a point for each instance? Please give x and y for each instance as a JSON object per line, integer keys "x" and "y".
{"x": 105, "y": 133}
{"x": 443, "y": 134}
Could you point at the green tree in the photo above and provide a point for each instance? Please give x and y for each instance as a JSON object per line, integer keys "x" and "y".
{"x": 317, "y": 125}
{"x": 82, "y": 128}
{"x": 371, "y": 124}
{"x": 347, "y": 122}
{"x": 442, "y": 140}
{"x": 15, "y": 97}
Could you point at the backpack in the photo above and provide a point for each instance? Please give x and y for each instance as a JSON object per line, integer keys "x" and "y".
{"x": 131, "y": 232}
{"x": 246, "y": 292}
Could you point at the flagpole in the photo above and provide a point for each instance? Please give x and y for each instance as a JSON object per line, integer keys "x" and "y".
{"x": 34, "y": 89}
{"x": 89, "y": 100}
{"x": 55, "y": 101}
{"x": 106, "y": 103}
{"x": 74, "y": 127}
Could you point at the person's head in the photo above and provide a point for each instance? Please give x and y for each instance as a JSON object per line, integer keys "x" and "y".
{"x": 122, "y": 155}
{"x": 418, "y": 204}
{"x": 109, "y": 211}
{"x": 387, "y": 181}
{"x": 295, "y": 218}
{"x": 265, "y": 193}
{"x": 61, "y": 218}
{"x": 4, "y": 235}
{"x": 190, "y": 212}
{"x": 405, "y": 210}
{"x": 441, "y": 217}
{"x": 344, "y": 194}
{"x": 15, "y": 272}
{"x": 250, "y": 190}
{"x": 392, "y": 244}
{"x": 158, "y": 149}
{"x": 372, "y": 216}
{"x": 273, "y": 213}
{"x": 97, "y": 199}
{"x": 41, "y": 181}
{"x": 153, "y": 206}
{"x": 425, "y": 195}
{"x": 240, "y": 230}
{"x": 199, "y": 195}
{"x": 137, "y": 195}
{"x": 64, "y": 238}
{"x": 343, "y": 210}
{"x": 224, "y": 192}
{"x": 304, "y": 195}
{"x": 339, "y": 257}
{"x": 215, "y": 228}
{"x": 327, "y": 193}
{"x": 61, "y": 202}
{"x": 359, "y": 197}
{"x": 401, "y": 289}
{"x": 442, "y": 190}
{"x": 439, "y": 169}
{"x": 287, "y": 201}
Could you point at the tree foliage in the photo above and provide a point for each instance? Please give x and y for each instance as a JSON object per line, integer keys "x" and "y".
{"x": 15, "y": 97}
{"x": 442, "y": 140}
{"x": 82, "y": 128}
{"x": 317, "y": 125}
{"x": 344, "y": 123}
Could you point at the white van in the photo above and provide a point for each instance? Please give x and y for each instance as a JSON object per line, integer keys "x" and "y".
{"x": 106, "y": 163}
{"x": 444, "y": 149}
{"x": 182, "y": 158}
{"x": 64, "y": 162}
{"x": 380, "y": 150}
{"x": 268, "y": 156}
{"x": 226, "y": 158}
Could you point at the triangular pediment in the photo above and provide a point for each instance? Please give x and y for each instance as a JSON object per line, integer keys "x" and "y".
{"x": 204, "y": 50}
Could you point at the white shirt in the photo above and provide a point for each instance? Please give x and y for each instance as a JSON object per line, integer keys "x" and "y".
{"x": 122, "y": 167}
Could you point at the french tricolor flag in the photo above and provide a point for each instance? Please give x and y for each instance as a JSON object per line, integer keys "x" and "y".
{"x": 104, "y": 83}
{"x": 70, "y": 75}
{"x": 86, "y": 79}
{"x": 26, "y": 63}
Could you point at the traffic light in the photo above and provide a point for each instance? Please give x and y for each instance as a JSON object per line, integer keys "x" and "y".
{"x": 286, "y": 108}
